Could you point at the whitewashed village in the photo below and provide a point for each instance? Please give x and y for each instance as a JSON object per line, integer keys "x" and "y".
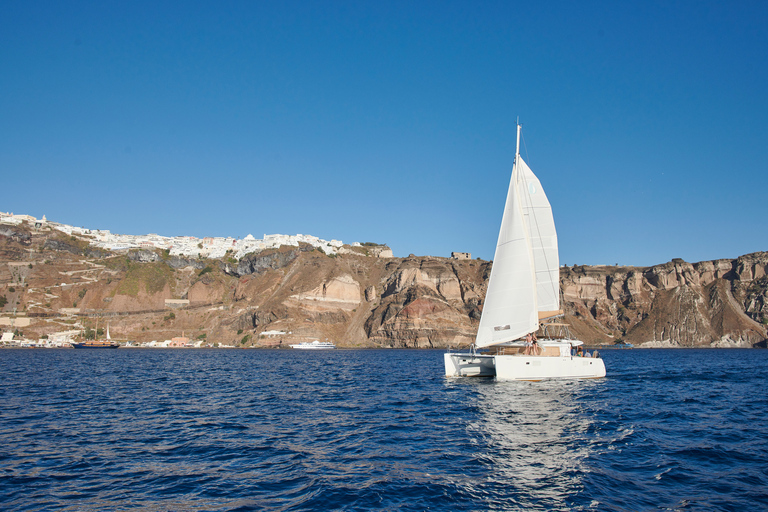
{"x": 186, "y": 246}
{"x": 190, "y": 246}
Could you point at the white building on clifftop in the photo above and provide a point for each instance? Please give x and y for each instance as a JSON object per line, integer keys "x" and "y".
{"x": 190, "y": 246}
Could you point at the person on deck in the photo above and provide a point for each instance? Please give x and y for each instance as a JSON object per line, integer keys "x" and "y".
{"x": 528, "y": 344}
{"x": 532, "y": 345}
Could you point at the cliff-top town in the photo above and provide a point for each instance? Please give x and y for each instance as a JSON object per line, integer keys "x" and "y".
{"x": 189, "y": 246}
{"x": 210, "y": 248}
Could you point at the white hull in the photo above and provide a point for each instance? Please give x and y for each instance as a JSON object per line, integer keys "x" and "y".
{"x": 543, "y": 368}
{"x": 315, "y": 345}
{"x": 521, "y": 367}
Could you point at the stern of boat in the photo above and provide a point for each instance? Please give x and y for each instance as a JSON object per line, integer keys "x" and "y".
{"x": 458, "y": 364}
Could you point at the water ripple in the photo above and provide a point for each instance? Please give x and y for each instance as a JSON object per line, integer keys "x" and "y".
{"x": 194, "y": 430}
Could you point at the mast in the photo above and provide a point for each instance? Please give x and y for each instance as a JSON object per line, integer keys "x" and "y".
{"x": 517, "y": 146}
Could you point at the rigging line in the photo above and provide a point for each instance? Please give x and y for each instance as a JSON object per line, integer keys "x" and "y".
{"x": 524, "y": 146}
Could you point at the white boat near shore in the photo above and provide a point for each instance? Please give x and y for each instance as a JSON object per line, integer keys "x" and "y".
{"x": 523, "y": 291}
{"x": 315, "y": 345}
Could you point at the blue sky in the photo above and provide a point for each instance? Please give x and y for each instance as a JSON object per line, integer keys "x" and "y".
{"x": 393, "y": 122}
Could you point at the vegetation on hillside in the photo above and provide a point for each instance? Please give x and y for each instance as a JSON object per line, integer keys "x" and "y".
{"x": 153, "y": 277}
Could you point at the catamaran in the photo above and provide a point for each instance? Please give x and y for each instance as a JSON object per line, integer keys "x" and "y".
{"x": 523, "y": 297}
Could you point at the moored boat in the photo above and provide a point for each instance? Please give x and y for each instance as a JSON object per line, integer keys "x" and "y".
{"x": 315, "y": 345}
{"x": 107, "y": 343}
{"x": 96, "y": 344}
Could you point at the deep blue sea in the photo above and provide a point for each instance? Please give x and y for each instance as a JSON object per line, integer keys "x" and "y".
{"x": 193, "y": 430}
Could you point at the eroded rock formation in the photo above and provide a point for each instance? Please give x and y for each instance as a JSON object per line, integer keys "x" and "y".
{"x": 710, "y": 303}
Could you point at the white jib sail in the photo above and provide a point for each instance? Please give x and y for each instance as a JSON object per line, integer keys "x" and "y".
{"x": 509, "y": 310}
{"x": 541, "y": 229}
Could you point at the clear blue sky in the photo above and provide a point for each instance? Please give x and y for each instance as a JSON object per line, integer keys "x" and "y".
{"x": 393, "y": 122}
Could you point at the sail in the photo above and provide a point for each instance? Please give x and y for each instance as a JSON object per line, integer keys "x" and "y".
{"x": 543, "y": 237}
{"x": 509, "y": 310}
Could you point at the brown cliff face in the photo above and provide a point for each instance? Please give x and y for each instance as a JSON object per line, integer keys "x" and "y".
{"x": 357, "y": 300}
{"x": 427, "y": 302}
{"x": 711, "y": 303}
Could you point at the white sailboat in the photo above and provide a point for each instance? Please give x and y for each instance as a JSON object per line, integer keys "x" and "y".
{"x": 523, "y": 290}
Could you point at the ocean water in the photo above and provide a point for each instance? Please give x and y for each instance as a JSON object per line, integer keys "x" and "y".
{"x": 193, "y": 430}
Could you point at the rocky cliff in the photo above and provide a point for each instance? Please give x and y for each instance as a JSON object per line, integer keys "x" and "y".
{"x": 56, "y": 283}
{"x": 710, "y": 303}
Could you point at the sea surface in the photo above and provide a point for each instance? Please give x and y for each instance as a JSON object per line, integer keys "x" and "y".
{"x": 193, "y": 430}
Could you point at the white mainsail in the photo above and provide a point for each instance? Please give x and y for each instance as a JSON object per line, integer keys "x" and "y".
{"x": 543, "y": 237}
{"x": 525, "y": 275}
